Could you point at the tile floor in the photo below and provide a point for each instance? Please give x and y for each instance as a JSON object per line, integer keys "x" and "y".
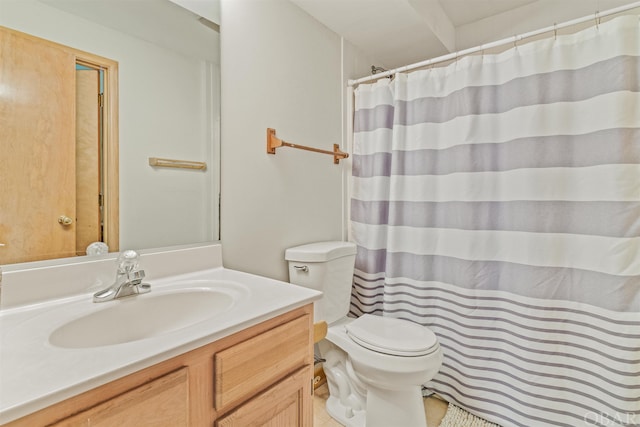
{"x": 434, "y": 409}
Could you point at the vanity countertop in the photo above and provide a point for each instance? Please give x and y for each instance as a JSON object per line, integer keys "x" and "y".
{"x": 35, "y": 374}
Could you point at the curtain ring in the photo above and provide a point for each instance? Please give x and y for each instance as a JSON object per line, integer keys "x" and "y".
{"x": 555, "y": 31}
{"x": 516, "y": 39}
{"x": 597, "y": 19}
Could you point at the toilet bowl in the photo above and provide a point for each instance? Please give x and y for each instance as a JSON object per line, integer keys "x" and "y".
{"x": 375, "y": 366}
{"x": 390, "y": 384}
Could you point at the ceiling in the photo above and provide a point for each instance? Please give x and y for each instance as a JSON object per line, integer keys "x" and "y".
{"x": 462, "y": 12}
{"x": 163, "y": 23}
{"x": 391, "y": 33}
{"x": 395, "y": 33}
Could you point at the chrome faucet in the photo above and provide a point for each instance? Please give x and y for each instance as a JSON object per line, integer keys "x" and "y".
{"x": 128, "y": 279}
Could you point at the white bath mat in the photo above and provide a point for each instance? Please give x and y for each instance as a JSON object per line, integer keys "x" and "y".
{"x": 456, "y": 417}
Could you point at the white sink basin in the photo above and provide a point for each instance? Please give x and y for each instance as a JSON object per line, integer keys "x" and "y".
{"x": 148, "y": 315}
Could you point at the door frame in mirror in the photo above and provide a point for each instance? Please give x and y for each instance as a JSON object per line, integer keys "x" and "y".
{"x": 110, "y": 148}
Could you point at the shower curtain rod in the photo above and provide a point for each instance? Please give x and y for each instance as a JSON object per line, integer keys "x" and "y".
{"x": 515, "y": 39}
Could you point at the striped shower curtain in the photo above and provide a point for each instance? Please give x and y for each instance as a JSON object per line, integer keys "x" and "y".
{"x": 497, "y": 201}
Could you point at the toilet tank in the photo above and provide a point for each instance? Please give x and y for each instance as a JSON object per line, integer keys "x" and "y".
{"x": 326, "y": 267}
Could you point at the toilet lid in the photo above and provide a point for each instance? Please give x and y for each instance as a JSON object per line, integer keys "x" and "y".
{"x": 391, "y": 336}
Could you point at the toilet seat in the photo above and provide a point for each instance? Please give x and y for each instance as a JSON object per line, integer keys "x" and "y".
{"x": 391, "y": 336}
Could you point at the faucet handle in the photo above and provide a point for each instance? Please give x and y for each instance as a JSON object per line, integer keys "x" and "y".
{"x": 128, "y": 261}
{"x": 135, "y": 277}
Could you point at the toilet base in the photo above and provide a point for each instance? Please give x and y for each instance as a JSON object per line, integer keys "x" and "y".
{"x": 345, "y": 415}
{"x": 347, "y": 402}
{"x": 387, "y": 408}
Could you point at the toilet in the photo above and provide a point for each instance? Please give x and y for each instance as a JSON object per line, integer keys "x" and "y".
{"x": 375, "y": 366}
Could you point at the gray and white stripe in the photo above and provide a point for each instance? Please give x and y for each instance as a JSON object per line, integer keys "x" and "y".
{"x": 497, "y": 202}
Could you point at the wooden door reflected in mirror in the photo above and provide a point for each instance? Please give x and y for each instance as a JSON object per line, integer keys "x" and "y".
{"x": 58, "y": 137}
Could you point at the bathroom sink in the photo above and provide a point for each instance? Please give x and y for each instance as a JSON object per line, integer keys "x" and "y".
{"x": 145, "y": 316}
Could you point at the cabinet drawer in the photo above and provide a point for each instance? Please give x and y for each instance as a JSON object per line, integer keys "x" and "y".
{"x": 260, "y": 361}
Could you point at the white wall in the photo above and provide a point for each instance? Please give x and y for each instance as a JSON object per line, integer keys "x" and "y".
{"x": 355, "y": 65}
{"x": 531, "y": 17}
{"x": 280, "y": 69}
{"x": 209, "y": 9}
{"x": 165, "y": 111}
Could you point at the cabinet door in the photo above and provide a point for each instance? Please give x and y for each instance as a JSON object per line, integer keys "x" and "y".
{"x": 286, "y": 404}
{"x": 161, "y": 402}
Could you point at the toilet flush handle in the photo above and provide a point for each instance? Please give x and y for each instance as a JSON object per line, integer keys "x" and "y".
{"x": 303, "y": 268}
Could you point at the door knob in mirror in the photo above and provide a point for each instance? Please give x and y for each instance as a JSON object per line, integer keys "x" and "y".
{"x": 65, "y": 220}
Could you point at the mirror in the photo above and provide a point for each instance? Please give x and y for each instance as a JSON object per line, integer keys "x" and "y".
{"x": 168, "y": 107}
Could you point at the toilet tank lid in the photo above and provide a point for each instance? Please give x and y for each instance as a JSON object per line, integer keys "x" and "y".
{"x": 320, "y": 251}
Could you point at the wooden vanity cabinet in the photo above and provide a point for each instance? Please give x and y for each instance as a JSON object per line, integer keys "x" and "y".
{"x": 259, "y": 376}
